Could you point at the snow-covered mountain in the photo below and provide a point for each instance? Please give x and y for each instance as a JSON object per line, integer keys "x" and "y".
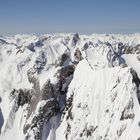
{"x": 70, "y": 87}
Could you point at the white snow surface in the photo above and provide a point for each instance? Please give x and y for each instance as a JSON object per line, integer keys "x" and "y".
{"x": 102, "y": 86}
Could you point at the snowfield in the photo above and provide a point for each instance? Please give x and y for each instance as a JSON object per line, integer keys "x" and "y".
{"x": 70, "y": 87}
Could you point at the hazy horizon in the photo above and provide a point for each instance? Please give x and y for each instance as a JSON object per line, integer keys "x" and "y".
{"x": 84, "y": 17}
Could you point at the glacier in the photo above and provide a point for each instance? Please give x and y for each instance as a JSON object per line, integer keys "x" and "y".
{"x": 68, "y": 86}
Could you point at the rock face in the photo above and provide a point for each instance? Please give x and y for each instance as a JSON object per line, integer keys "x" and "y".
{"x": 40, "y": 62}
{"x": 2, "y": 41}
{"x": 67, "y": 71}
{"x": 45, "y": 113}
{"x": 23, "y": 97}
{"x": 46, "y": 110}
{"x": 78, "y": 55}
{"x": 75, "y": 39}
{"x": 136, "y": 80}
{"x": 1, "y": 120}
{"x": 64, "y": 58}
{"x": 70, "y": 87}
{"x": 31, "y": 47}
{"x": 87, "y": 45}
{"x": 47, "y": 91}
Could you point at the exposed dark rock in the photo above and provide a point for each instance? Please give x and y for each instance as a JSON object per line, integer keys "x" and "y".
{"x": 127, "y": 112}
{"x": 2, "y": 41}
{"x": 44, "y": 114}
{"x": 1, "y": 120}
{"x": 88, "y": 131}
{"x": 67, "y": 71}
{"x": 39, "y": 43}
{"x": 62, "y": 92}
{"x": 68, "y": 108}
{"x": 23, "y": 97}
{"x": 40, "y": 62}
{"x": 136, "y": 80}
{"x": 64, "y": 57}
{"x": 128, "y": 116}
{"x": 121, "y": 130}
{"x": 128, "y": 50}
{"x": 35, "y": 92}
{"x": 64, "y": 73}
{"x": 19, "y": 51}
{"x": 13, "y": 94}
{"x": 113, "y": 97}
{"x": 138, "y": 49}
{"x": 31, "y": 47}
{"x": 75, "y": 39}
{"x": 121, "y": 48}
{"x": 30, "y": 74}
{"x": 68, "y": 131}
{"x": 47, "y": 91}
{"x": 9, "y": 52}
{"x": 138, "y": 57}
{"x": 120, "y": 45}
{"x": 87, "y": 45}
{"x": 57, "y": 87}
{"x": 0, "y": 99}
{"x": 66, "y": 40}
{"x": 139, "y": 124}
{"x": 77, "y": 56}
{"x": 26, "y": 127}
{"x": 124, "y": 65}
{"x": 108, "y": 44}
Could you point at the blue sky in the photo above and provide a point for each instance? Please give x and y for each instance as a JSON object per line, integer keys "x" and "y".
{"x": 83, "y": 16}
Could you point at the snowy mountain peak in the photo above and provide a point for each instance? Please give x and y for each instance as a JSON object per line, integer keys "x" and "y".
{"x": 70, "y": 87}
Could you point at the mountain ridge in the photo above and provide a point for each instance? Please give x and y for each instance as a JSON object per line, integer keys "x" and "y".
{"x": 70, "y": 86}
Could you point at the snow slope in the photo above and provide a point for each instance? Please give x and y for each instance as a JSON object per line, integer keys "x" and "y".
{"x": 97, "y": 106}
{"x": 70, "y": 87}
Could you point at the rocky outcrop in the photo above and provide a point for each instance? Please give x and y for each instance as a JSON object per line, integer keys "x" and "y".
{"x": 47, "y": 91}
{"x": 0, "y": 99}
{"x": 1, "y": 120}
{"x": 136, "y": 81}
{"x": 40, "y": 62}
{"x": 67, "y": 71}
{"x": 75, "y": 39}
{"x": 67, "y": 110}
{"x": 2, "y": 41}
{"x": 127, "y": 113}
{"x": 128, "y": 49}
{"x": 87, "y": 45}
{"x": 45, "y": 112}
{"x": 35, "y": 91}
{"x": 23, "y": 97}
{"x": 77, "y": 56}
{"x": 31, "y": 47}
{"x": 64, "y": 58}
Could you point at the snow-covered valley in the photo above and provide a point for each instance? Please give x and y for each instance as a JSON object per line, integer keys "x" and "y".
{"x": 70, "y": 87}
